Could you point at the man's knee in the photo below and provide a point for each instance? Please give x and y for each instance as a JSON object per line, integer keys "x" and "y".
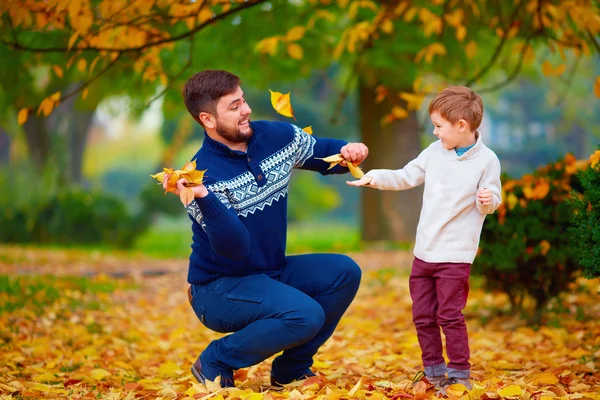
{"x": 306, "y": 321}
{"x": 350, "y": 269}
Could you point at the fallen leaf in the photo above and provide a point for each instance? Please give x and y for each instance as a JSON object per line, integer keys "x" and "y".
{"x": 282, "y": 103}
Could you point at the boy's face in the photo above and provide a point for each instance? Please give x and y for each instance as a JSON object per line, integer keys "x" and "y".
{"x": 452, "y": 135}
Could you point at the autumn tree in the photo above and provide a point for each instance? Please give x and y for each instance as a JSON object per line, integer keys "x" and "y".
{"x": 394, "y": 54}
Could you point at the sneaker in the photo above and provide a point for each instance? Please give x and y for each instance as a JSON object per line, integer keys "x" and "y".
{"x": 443, "y": 385}
{"x": 197, "y": 372}
{"x": 275, "y": 384}
{"x": 436, "y": 381}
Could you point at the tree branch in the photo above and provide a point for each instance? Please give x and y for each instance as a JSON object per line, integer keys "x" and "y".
{"x": 483, "y": 71}
{"x": 368, "y": 44}
{"x": 511, "y": 77}
{"x": 569, "y": 82}
{"x": 594, "y": 41}
{"x": 18, "y": 46}
{"x": 171, "y": 79}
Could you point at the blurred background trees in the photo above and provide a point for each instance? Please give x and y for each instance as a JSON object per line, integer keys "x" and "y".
{"x": 90, "y": 91}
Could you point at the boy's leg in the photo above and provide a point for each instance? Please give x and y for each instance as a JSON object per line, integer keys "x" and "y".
{"x": 452, "y": 292}
{"x": 425, "y": 306}
{"x": 265, "y": 315}
{"x": 331, "y": 280}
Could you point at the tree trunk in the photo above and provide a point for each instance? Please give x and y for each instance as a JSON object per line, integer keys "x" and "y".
{"x": 79, "y": 127}
{"x": 38, "y": 140}
{"x": 4, "y": 147}
{"x": 388, "y": 215}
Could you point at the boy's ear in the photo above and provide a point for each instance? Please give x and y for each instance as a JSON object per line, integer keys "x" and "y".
{"x": 463, "y": 125}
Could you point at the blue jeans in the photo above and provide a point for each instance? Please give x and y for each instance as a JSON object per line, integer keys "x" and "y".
{"x": 296, "y": 312}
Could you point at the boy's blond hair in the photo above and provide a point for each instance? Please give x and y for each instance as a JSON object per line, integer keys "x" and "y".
{"x": 458, "y": 102}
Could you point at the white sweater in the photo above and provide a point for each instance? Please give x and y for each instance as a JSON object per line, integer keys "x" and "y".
{"x": 451, "y": 218}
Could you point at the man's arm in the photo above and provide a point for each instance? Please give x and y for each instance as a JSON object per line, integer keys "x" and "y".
{"x": 310, "y": 150}
{"x": 226, "y": 233}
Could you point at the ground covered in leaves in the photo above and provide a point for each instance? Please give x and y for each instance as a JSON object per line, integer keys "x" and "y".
{"x": 100, "y": 327}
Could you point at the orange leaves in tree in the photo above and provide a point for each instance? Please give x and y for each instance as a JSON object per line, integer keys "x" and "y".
{"x": 597, "y": 87}
{"x": 188, "y": 172}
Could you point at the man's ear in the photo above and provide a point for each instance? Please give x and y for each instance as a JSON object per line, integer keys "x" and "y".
{"x": 208, "y": 120}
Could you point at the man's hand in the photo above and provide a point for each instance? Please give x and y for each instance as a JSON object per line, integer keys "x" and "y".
{"x": 354, "y": 152}
{"x": 199, "y": 191}
{"x": 484, "y": 196}
{"x": 364, "y": 181}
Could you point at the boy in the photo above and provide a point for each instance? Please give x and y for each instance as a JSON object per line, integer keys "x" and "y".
{"x": 462, "y": 185}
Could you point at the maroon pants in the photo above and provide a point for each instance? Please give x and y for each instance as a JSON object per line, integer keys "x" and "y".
{"x": 439, "y": 293}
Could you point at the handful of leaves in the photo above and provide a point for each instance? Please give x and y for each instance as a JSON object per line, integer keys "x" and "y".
{"x": 189, "y": 172}
{"x": 337, "y": 158}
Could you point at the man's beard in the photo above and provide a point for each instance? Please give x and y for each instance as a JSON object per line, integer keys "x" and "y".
{"x": 233, "y": 134}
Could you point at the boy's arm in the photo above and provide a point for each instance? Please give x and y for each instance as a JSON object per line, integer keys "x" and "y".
{"x": 491, "y": 180}
{"x": 226, "y": 233}
{"x": 412, "y": 175}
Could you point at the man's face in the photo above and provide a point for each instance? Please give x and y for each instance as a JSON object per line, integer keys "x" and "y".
{"x": 233, "y": 117}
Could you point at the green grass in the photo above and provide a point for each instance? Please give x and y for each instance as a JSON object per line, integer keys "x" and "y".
{"x": 171, "y": 238}
{"x": 40, "y": 291}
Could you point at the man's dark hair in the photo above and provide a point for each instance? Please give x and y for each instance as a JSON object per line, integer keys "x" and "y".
{"x": 202, "y": 91}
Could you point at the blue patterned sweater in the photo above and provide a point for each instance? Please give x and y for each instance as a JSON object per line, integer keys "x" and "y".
{"x": 240, "y": 227}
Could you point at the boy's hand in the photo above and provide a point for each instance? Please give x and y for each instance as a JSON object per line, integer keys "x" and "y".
{"x": 484, "y": 196}
{"x": 354, "y": 152}
{"x": 364, "y": 181}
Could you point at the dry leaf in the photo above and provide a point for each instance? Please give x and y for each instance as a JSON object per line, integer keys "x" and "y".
{"x": 282, "y": 103}
{"x": 337, "y": 158}
{"x": 188, "y": 172}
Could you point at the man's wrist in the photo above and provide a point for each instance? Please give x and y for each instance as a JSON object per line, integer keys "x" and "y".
{"x": 203, "y": 192}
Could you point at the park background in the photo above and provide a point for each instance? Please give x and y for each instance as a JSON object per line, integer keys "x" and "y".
{"x": 93, "y": 253}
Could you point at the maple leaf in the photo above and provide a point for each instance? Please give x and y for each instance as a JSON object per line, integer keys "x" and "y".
{"x": 188, "y": 172}
{"x": 282, "y": 103}
{"x": 337, "y": 158}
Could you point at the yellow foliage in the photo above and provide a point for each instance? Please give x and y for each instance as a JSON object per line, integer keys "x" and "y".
{"x": 22, "y": 116}
{"x": 188, "y": 172}
{"x": 429, "y": 52}
{"x": 282, "y": 104}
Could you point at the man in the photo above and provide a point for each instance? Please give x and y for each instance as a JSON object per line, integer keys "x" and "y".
{"x": 241, "y": 280}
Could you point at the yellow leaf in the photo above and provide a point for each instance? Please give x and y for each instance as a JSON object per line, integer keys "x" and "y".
{"x": 58, "y": 71}
{"x": 353, "y": 391}
{"x": 456, "y": 389}
{"x": 541, "y": 190}
{"x": 72, "y": 40}
{"x": 268, "y": 45}
{"x": 22, "y": 115}
{"x": 597, "y": 87}
{"x": 471, "y": 49}
{"x": 399, "y": 112}
{"x": 167, "y": 393}
{"x": 387, "y": 26}
{"x": 296, "y": 33}
{"x": 512, "y": 391}
{"x": 46, "y": 377}
{"x": 84, "y": 93}
{"x": 295, "y": 51}
{"x": 308, "y": 130}
{"x": 545, "y": 378}
{"x": 40, "y": 387}
{"x": 99, "y": 374}
{"x": 512, "y": 201}
{"x": 282, "y": 103}
{"x": 355, "y": 170}
{"x": 81, "y": 64}
{"x": 461, "y": 33}
{"x": 549, "y": 70}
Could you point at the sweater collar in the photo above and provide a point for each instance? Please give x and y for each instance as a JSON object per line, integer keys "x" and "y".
{"x": 472, "y": 151}
{"x": 219, "y": 148}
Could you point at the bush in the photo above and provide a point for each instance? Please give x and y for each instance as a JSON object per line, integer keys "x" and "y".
{"x": 586, "y": 220}
{"x": 526, "y": 247}
{"x": 71, "y": 216}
